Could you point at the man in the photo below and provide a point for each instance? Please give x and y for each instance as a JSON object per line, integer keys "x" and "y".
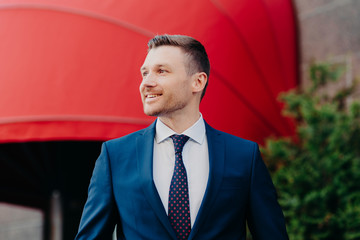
{"x": 179, "y": 178}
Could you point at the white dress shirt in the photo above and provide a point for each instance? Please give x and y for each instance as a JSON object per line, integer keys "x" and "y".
{"x": 195, "y": 157}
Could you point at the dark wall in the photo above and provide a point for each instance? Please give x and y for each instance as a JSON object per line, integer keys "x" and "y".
{"x": 31, "y": 172}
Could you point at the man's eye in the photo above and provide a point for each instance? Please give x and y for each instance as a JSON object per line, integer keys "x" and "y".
{"x": 144, "y": 74}
{"x": 162, "y": 71}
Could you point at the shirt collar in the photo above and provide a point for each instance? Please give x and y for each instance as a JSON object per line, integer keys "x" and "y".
{"x": 196, "y": 132}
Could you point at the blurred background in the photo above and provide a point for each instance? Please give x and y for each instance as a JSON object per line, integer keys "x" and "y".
{"x": 69, "y": 77}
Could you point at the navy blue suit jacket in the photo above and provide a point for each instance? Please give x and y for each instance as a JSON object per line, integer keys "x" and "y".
{"x": 239, "y": 189}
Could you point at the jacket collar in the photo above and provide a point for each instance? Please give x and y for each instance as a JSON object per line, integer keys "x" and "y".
{"x": 145, "y": 147}
{"x": 216, "y": 147}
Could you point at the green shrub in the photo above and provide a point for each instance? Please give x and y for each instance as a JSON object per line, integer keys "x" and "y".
{"x": 317, "y": 173}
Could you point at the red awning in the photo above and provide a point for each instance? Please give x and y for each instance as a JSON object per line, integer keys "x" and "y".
{"x": 69, "y": 70}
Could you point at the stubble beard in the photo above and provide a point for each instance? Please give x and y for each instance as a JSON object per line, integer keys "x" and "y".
{"x": 167, "y": 110}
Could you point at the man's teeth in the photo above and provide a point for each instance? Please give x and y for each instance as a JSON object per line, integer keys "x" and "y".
{"x": 153, "y": 95}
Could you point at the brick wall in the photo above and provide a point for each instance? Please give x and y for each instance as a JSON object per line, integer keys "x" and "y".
{"x": 329, "y": 30}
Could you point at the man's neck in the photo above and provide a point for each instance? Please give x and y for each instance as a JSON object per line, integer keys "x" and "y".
{"x": 180, "y": 123}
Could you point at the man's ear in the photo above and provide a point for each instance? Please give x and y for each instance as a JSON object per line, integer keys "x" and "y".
{"x": 199, "y": 82}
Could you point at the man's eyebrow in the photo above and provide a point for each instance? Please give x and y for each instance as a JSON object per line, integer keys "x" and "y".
{"x": 157, "y": 65}
{"x": 162, "y": 65}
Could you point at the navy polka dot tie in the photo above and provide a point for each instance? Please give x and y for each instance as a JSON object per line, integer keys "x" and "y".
{"x": 178, "y": 209}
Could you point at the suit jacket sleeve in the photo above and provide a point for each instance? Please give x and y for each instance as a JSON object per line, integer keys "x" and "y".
{"x": 100, "y": 212}
{"x": 265, "y": 217}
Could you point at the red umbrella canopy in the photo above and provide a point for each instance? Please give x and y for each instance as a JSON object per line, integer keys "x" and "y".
{"x": 69, "y": 70}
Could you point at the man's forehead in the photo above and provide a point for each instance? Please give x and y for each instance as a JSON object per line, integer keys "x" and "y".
{"x": 164, "y": 55}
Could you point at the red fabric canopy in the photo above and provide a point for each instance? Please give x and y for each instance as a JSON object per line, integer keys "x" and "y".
{"x": 69, "y": 70}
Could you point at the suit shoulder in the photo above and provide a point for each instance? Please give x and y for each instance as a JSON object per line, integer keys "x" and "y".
{"x": 129, "y": 137}
{"x": 230, "y": 136}
{"x": 238, "y": 151}
{"x": 235, "y": 139}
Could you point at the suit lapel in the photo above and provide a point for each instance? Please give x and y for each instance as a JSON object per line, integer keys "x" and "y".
{"x": 216, "y": 170}
{"x": 145, "y": 146}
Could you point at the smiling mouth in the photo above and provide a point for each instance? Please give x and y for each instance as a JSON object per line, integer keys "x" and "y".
{"x": 153, "y": 95}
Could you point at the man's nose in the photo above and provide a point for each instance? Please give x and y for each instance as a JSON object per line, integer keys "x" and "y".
{"x": 149, "y": 80}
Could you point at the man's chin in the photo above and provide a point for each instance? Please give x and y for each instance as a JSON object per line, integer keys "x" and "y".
{"x": 151, "y": 112}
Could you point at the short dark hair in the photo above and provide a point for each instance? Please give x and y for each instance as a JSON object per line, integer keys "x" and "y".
{"x": 199, "y": 61}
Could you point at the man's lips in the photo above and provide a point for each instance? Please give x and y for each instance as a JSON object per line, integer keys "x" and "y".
{"x": 152, "y": 95}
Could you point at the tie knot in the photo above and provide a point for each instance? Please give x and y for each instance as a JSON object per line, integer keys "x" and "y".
{"x": 179, "y": 142}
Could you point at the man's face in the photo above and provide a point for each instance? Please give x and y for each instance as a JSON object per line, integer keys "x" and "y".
{"x": 166, "y": 86}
